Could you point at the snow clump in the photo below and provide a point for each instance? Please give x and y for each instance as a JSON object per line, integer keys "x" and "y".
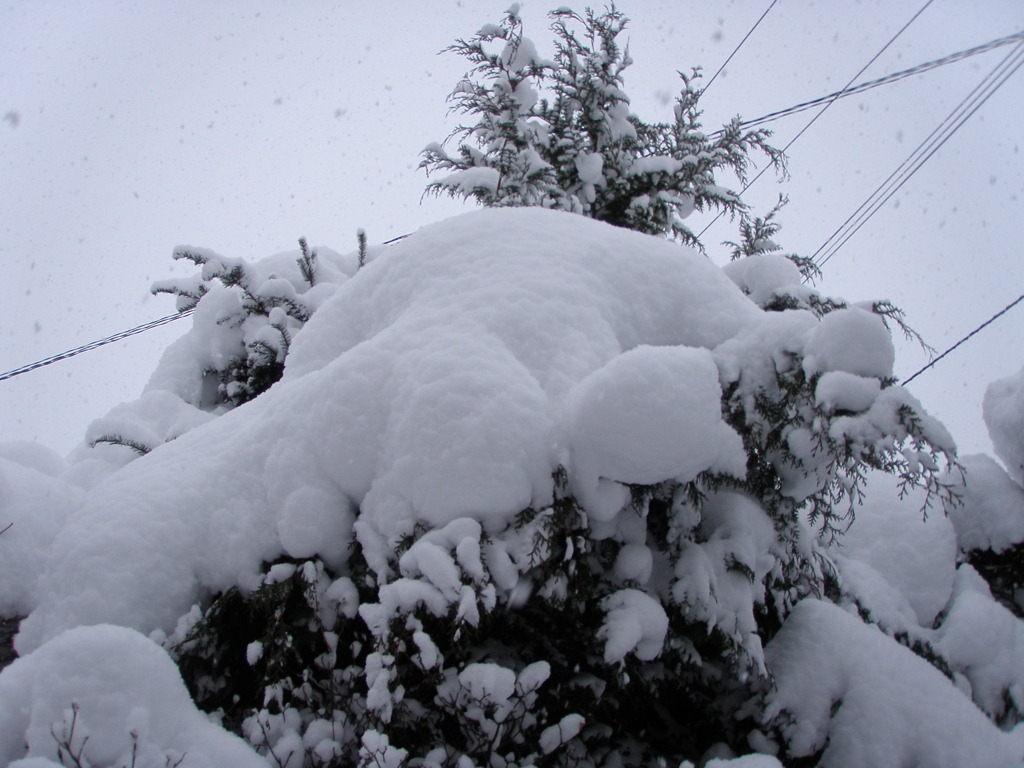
{"x": 846, "y": 691}
{"x": 1003, "y": 408}
{"x": 109, "y": 696}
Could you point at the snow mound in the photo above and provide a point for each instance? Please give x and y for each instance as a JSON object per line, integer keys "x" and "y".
{"x": 635, "y": 623}
{"x": 1003, "y": 409}
{"x": 992, "y": 513}
{"x": 986, "y": 641}
{"x": 915, "y": 555}
{"x": 103, "y": 684}
{"x": 845, "y": 689}
{"x": 763, "y": 276}
{"x": 35, "y": 505}
{"x": 539, "y": 282}
{"x": 631, "y": 421}
{"x": 34, "y": 456}
{"x": 852, "y": 340}
{"x": 433, "y": 385}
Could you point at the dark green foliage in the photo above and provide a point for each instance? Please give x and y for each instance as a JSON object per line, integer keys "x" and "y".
{"x": 309, "y": 660}
{"x": 8, "y": 629}
{"x": 1004, "y": 572}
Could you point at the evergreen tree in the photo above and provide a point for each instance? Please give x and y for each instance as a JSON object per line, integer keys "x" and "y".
{"x": 500, "y": 159}
{"x": 560, "y": 134}
{"x": 430, "y": 654}
{"x": 548, "y": 642}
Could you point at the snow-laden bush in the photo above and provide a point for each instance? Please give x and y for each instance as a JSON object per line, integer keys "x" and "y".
{"x": 532, "y": 490}
{"x": 245, "y": 317}
{"x": 559, "y": 134}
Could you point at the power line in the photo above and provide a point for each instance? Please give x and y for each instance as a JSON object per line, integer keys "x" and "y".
{"x": 977, "y": 330}
{"x": 924, "y": 151}
{"x": 827, "y": 104}
{"x": 95, "y": 344}
{"x": 726, "y": 62}
{"x": 890, "y": 78}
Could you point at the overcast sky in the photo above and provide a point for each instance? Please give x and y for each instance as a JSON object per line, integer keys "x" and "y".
{"x": 127, "y": 128}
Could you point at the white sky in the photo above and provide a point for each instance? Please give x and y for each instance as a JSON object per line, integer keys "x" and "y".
{"x": 128, "y": 128}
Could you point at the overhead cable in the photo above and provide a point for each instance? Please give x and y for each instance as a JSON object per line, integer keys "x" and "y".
{"x": 726, "y": 62}
{"x": 95, "y": 344}
{"x": 970, "y": 104}
{"x": 973, "y": 333}
{"x": 890, "y": 78}
{"x": 827, "y": 104}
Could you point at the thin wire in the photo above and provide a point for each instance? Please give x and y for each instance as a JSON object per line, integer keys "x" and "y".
{"x": 890, "y": 78}
{"x": 973, "y": 333}
{"x": 95, "y": 344}
{"x": 924, "y": 151}
{"x": 828, "y": 104}
{"x": 726, "y": 62}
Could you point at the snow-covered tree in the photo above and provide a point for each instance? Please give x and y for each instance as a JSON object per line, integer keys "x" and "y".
{"x": 559, "y": 133}
{"x": 500, "y": 161}
{"x": 518, "y": 500}
{"x": 530, "y": 490}
{"x": 455, "y": 548}
{"x": 256, "y": 312}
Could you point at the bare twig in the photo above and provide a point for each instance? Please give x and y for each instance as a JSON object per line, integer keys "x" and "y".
{"x": 65, "y": 742}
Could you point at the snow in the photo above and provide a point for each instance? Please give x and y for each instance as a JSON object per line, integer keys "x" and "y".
{"x": 915, "y": 556}
{"x": 986, "y": 641}
{"x": 554, "y": 736}
{"x": 35, "y": 505}
{"x": 754, "y": 357}
{"x": 488, "y": 682}
{"x": 842, "y": 391}
{"x": 590, "y": 167}
{"x": 764, "y": 275}
{"x": 429, "y": 387}
{"x": 655, "y": 164}
{"x": 991, "y": 515}
{"x": 635, "y": 623}
{"x": 631, "y": 422}
{"x": 157, "y": 417}
{"x": 472, "y": 179}
{"x": 867, "y": 702}
{"x": 735, "y": 535}
{"x": 120, "y": 682}
{"x": 852, "y": 340}
{"x": 747, "y": 761}
{"x": 33, "y": 456}
{"x": 634, "y": 563}
{"x": 1003, "y": 409}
